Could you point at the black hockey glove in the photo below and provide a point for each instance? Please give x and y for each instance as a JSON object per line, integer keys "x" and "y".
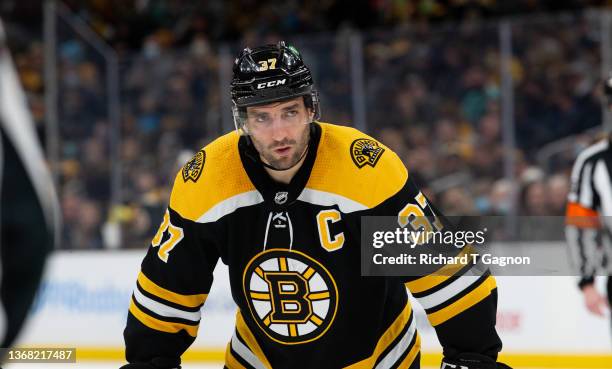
{"x": 471, "y": 361}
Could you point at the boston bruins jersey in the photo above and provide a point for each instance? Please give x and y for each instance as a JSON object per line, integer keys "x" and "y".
{"x": 293, "y": 253}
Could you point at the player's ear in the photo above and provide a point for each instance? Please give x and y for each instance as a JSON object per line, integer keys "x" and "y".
{"x": 309, "y": 108}
{"x": 311, "y": 113}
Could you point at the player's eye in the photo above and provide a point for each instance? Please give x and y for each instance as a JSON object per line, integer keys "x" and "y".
{"x": 261, "y": 118}
{"x": 291, "y": 113}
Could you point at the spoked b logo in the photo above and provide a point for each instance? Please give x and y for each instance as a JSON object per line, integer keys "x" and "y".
{"x": 292, "y": 297}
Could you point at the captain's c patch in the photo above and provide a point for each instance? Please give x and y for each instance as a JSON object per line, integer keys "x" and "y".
{"x": 193, "y": 168}
{"x": 366, "y": 152}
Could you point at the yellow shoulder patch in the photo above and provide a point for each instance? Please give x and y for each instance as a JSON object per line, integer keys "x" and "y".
{"x": 214, "y": 174}
{"x": 356, "y": 166}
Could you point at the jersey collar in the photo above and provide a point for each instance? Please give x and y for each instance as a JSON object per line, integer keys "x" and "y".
{"x": 275, "y": 194}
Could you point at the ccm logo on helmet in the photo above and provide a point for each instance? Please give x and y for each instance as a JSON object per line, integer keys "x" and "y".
{"x": 278, "y": 82}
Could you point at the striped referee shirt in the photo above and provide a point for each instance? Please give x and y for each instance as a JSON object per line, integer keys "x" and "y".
{"x": 589, "y": 211}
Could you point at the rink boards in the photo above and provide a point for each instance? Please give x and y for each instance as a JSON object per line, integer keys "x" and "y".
{"x": 84, "y": 298}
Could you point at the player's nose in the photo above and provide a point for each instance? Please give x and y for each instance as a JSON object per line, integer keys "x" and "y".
{"x": 278, "y": 130}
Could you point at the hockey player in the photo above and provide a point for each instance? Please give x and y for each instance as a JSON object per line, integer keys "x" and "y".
{"x": 29, "y": 211}
{"x": 279, "y": 201}
{"x": 589, "y": 216}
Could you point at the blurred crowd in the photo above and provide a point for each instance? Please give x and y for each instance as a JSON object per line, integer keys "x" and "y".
{"x": 443, "y": 112}
{"x": 128, "y": 23}
{"x": 432, "y": 93}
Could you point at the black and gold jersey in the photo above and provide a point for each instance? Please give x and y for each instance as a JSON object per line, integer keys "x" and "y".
{"x": 293, "y": 253}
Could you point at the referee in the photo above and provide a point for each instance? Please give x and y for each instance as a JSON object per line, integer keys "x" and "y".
{"x": 589, "y": 217}
{"x": 29, "y": 215}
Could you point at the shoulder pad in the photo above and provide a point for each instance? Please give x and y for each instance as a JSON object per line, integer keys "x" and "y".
{"x": 213, "y": 175}
{"x": 356, "y": 166}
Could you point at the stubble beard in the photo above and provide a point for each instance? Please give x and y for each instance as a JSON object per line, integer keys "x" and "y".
{"x": 271, "y": 158}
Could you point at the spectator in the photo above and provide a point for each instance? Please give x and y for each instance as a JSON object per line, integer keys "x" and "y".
{"x": 433, "y": 92}
{"x": 557, "y": 190}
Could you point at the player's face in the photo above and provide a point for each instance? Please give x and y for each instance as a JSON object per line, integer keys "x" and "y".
{"x": 280, "y": 131}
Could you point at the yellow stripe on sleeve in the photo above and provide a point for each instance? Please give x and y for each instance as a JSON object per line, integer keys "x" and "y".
{"x": 250, "y": 340}
{"x": 191, "y": 301}
{"x": 230, "y": 360}
{"x": 160, "y": 325}
{"x": 463, "y": 303}
{"x": 407, "y": 362}
{"x": 440, "y": 276}
{"x": 386, "y": 339}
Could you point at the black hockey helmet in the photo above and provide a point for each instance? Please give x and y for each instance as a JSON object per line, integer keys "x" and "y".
{"x": 270, "y": 73}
